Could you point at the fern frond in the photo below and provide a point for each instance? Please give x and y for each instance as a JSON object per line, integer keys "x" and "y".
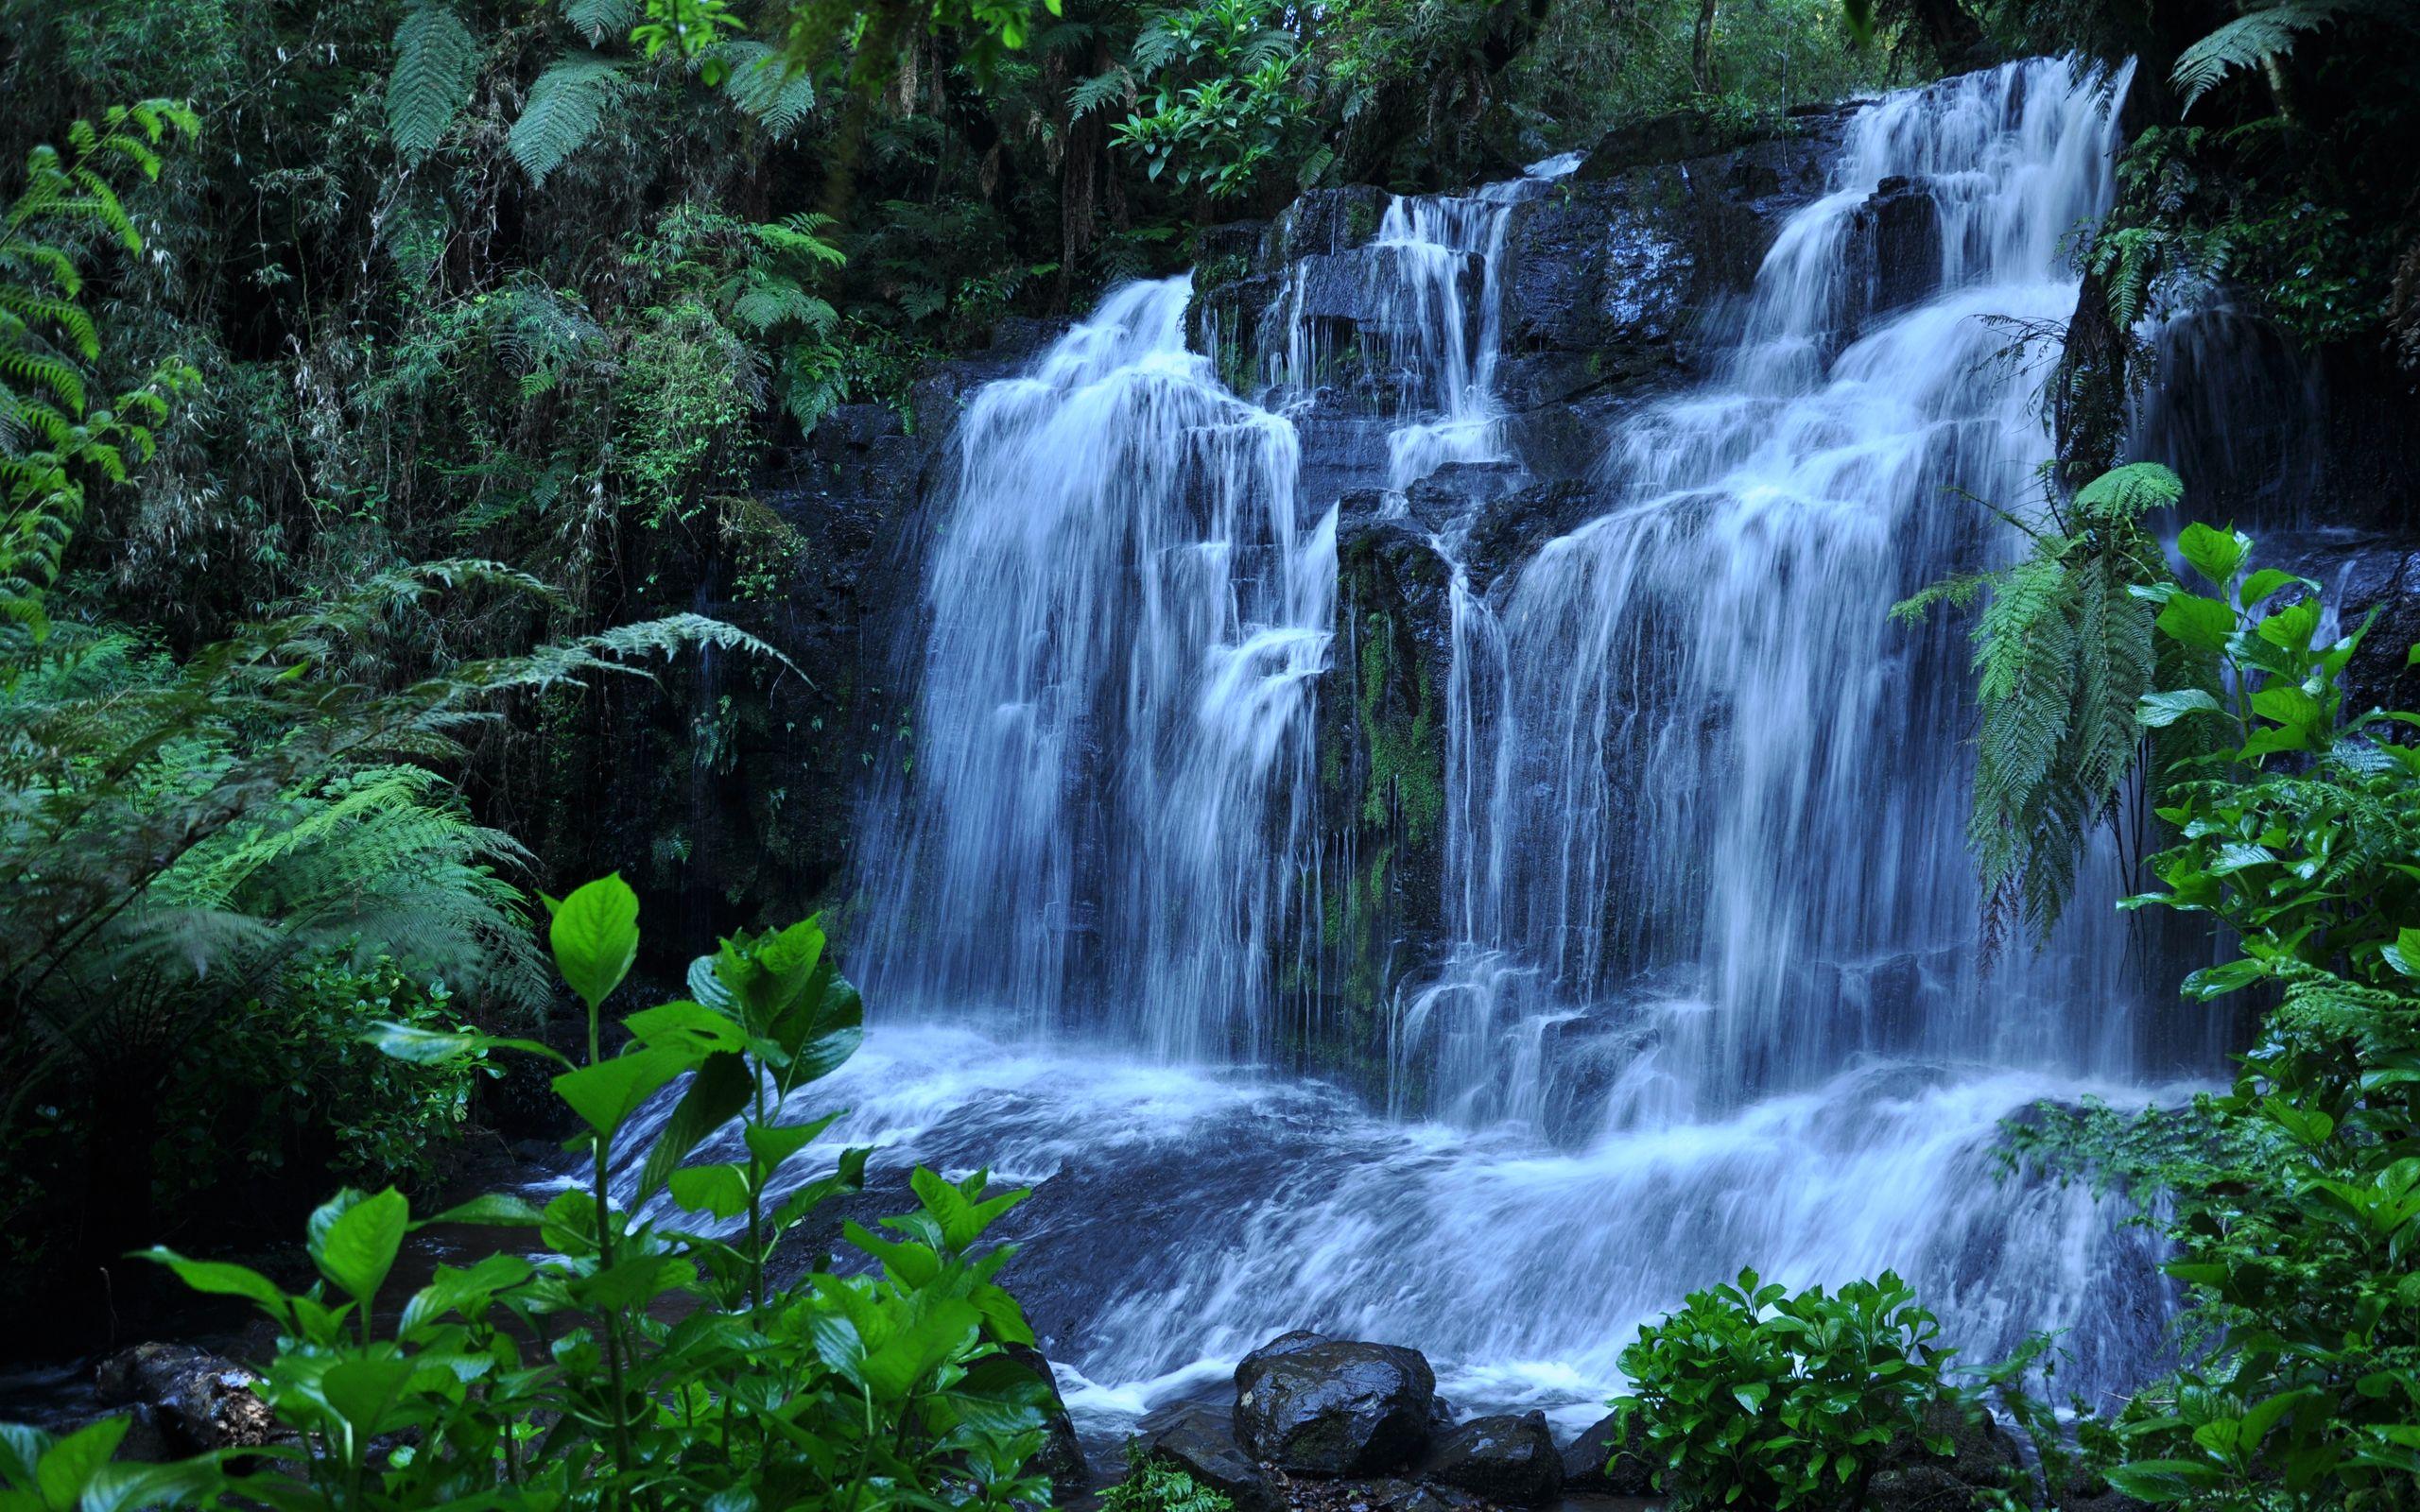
{"x": 1113, "y": 86}
{"x": 761, "y": 82}
{"x": 435, "y": 60}
{"x": 600, "y": 19}
{"x": 566, "y": 106}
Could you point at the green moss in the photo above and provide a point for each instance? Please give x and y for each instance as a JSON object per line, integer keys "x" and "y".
{"x": 1360, "y": 220}
{"x": 1407, "y": 765}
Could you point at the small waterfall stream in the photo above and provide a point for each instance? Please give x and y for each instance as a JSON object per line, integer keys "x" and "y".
{"x": 1706, "y": 880}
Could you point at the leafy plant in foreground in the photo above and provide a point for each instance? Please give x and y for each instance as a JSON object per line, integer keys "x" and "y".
{"x": 1752, "y": 1397}
{"x": 1156, "y": 1485}
{"x": 643, "y": 1361}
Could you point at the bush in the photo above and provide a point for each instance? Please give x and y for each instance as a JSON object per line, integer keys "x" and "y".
{"x": 1748, "y": 1396}
{"x": 637, "y": 1363}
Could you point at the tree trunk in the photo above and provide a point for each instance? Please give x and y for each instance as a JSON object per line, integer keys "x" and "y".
{"x": 1702, "y": 51}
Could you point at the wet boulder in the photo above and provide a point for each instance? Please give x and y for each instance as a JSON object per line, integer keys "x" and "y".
{"x": 1894, "y": 241}
{"x": 1602, "y": 1461}
{"x": 200, "y": 1401}
{"x": 1199, "y": 1439}
{"x": 1508, "y": 1460}
{"x": 1912, "y": 1474}
{"x": 1334, "y": 1407}
{"x": 1323, "y": 221}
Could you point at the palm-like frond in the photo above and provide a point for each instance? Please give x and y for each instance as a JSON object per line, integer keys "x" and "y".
{"x": 435, "y": 57}
{"x": 566, "y": 106}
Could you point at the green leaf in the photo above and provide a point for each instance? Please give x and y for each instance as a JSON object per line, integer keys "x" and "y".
{"x": 2124, "y": 493}
{"x": 2203, "y": 624}
{"x": 432, "y": 1047}
{"x": 357, "y": 1247}
{"x": 435, "y": 60}
{"x": 360, "y": 1390}
{"x": 495, "y": 1210}
{"x": 774, "y": 1143}
{"x": 68, "y": 1466}
{"x": 220, "y": 1278}
{"x": 2404, "y": 954}
{"x": 721, "y": 1190}
{"x": 2269, "y": 580}
{"x": 715, "y": 1096}
{"x": 454, "y": 1289}
{"x": 2163, "y": 1480}
{"x": 2160, "y": 710}
{"x": 596, "y": 936}
{"x": 688, "y": 1025}
{"x": 610, "y": 1092}
{"x": 2214, "y": 553}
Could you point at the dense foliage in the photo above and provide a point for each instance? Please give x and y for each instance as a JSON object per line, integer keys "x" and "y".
{"x": 673, "y": 1375}
{"x": 1750, "y": 1396}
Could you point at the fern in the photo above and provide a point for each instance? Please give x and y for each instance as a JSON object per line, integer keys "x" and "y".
{"x": 435, "y": 58}
{"x": 2063, "y": 654}
{"x": 566, "y": 106}
{"x": 1115, "y": 86}
{"x": 600, "y": 19}
{"x": 2249, "y": 41}
{"x": 760, "y": 82}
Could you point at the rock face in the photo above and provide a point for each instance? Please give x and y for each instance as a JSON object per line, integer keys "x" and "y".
{"x": 1895, "y": 238}
{"x": 1507, "y": 1460}
{"x": 199, "y": 1400}
{"x": 1334, "y": 1408}
{"x": 1911, "y": 1478}
{"x": 1602, "y": 1462}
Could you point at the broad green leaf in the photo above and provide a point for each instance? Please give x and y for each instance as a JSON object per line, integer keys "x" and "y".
{"x": 356, "y": 1249}
{"x": 2214, "y": 553}
{"x": 465, "y": 1290}
{"x": 715, "y": 1096}
{"x": 2269, "y": 580}
{"x": 2292, "y": 627}
{"x": 220, "y": 1278}
{"x": 610, "y": 1092}
{"x": 2203, "y": 624}
{"x": 595, "y": 934}
{"x": 495, "y": 1210}
{"x": 70, "y": 1463}
{"x": 774, "y": 1143}
{"x": 721, "y": 1190}
{"x": 2404, "y": 954}
{"x": 687, "y": 1025}
{"x": 361, "y": 1391}
{"x": 430, "y": 1047}
{"x": 2160, "y": 710}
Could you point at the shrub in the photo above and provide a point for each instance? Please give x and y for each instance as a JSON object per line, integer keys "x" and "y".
{"x": 637, "y": 1362}
{"x": 1749, "y": 1396}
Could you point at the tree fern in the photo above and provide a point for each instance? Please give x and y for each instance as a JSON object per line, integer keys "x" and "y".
{"x": 2064, "y": 655}
{"x": 2249, "y": 41}
{"x": 760, "y": 81}
{"x": 566, "y": 106}
{"x": 435, "y": 60}
{"x": 600, "y": 19}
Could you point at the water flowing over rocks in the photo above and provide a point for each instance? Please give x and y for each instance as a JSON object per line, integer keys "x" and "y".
{"x": 1397, "y": 808}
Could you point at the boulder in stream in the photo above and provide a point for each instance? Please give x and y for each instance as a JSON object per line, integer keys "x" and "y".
{"x": 1199, "y": 1439}
{"x": 1333, "y": 1407}
{"x": 1510, "y": 1460}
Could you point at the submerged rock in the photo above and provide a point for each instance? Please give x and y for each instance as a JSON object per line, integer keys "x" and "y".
{"x": 1334, "y": 1407}
{"x": 1509, "y": 1460}
{"x": 200, "y": 1401}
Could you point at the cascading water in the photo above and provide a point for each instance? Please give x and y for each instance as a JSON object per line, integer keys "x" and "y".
{"x": 1705, "y": 857}
{"x": 1126, "y": 614}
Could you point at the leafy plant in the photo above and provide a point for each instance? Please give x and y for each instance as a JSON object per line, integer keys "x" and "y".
{"x": 2063, "y": 654}
{"x": 1155, "y": 1486}
{"x": 674, "y": 1374}
{"x": 1750, "y": 1396}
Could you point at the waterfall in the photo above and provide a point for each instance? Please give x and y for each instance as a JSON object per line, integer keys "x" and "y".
{"x": 1713, "y": 995}
{"x": 1110, "y": 788}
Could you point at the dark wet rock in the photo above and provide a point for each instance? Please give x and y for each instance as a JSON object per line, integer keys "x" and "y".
{"x": 1063, "y": 1455}
{"x": 2380, "y": 675}
{"x": 1335, "y": 1408}
{"x": 1509, "y": 1460}
{"x": 1514, "y": 527}
{"x": 2086, "y": 1492}
{"x": 1919, "y": 1489}
{"x": 1290, "y": 1343}
{"x": 1430, "y": 1497}
{"x": 1657, "y": 140}
{"x": 1983, "y": 1454}
{"x": 1894, "y": 239}
{"x": 1603, "y": 1462}
{"x": 1199, "y": 1439}
{"x": 1322, "y": 220}
{"x": 198, "y": 1401}
{"x": 1459, "y": 488}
